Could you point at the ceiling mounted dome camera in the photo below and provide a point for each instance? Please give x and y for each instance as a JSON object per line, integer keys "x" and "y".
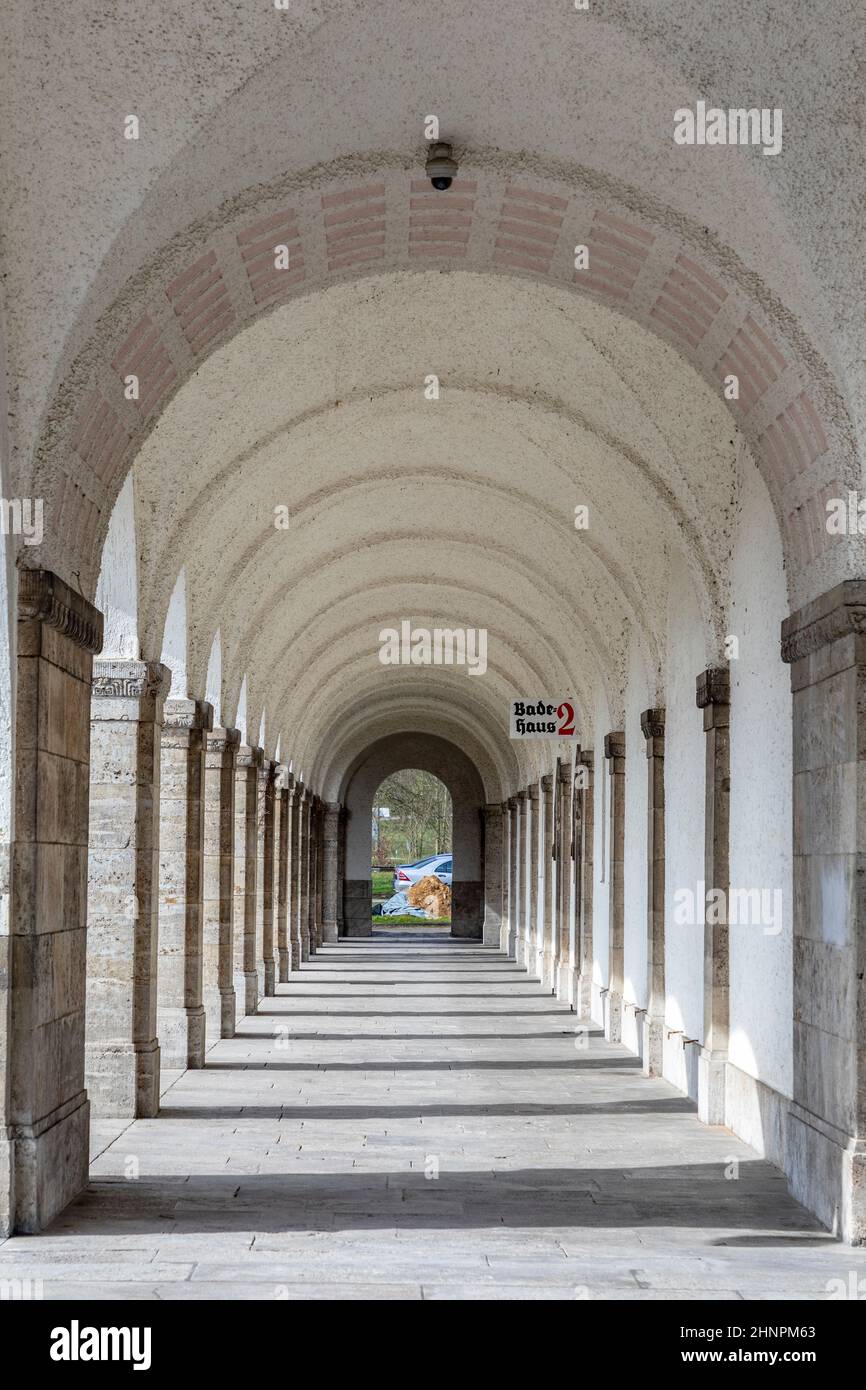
{"x": 441, "y": 166}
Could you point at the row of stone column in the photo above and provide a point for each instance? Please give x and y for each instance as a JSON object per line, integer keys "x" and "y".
{"x": 544, "y": 839}
{"x": 205, "y": 883}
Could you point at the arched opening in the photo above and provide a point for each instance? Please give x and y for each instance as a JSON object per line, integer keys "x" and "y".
{"x": 442, "y": 762}
{"x": 412, "y": 828}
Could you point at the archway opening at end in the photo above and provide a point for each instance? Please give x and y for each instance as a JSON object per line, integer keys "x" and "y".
{"x": 413, "y": 864}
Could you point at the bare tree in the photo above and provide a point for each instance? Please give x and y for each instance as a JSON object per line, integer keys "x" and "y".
{"x": 420, "y": 809}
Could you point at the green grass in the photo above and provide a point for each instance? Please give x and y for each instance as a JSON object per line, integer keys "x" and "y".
{"x": 397, "y": 921}
{"x": 383, "y": 883}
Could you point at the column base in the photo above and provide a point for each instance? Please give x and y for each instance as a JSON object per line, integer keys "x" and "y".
{"x": 613, "y": 1016}
{"x": 181, "y": 1037}
{"x": 563, "y": 981}
{"x": 584, "y": 994}
{"x": 711, "y": 1088}
{"x": 269, "y": 975}
{"x": 123, "y": 1079}
{"x": 285, "y": 963}
{"x": 329, "y": 932}
{"x": 44, "y": 1168}
{"x": 548, "y": 970}
{"x": 305, "y": 951}
{"x": 219, "y": 1008}
{"x": 653, "y": 1045}
{"x": 246, "y": 993}
{"x": 826, "y": 1171}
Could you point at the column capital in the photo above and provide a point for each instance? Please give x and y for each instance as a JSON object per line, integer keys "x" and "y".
{"x": 221, "y": 740}
{"x": 512, "y": 803}
{"x": 44, "y": 597}
{"x": 128, "y": 691}
{"x": 652, "y": 723}
{"x": 493, "y": 808}
{"x": 713, "y": 687}
{"x": 520, "y": 797}
{"x": 547, "y": 784}
{"x": 532, "y": 791}
{"x": 187, "y": 714}
{"x": 614, "y": 749}
{"x": 586, "y": 758}
{"x": 563, "y": 771}
{"x": 713, "y": 696}
{"x": 249, "y": 756}
{"x": 839, "y": 613}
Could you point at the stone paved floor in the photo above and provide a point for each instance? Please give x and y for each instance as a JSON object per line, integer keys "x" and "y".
{"x": 301, "y": 1162}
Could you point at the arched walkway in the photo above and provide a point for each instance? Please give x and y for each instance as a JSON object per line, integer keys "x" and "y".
{"x": 589, "y": 414}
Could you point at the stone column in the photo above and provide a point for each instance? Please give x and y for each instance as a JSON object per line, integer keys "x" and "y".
{"x": 583, "y": 1002}
{"x": 330, "y": 843}
{"x": 312, "y": 870}
{"x": 652, "y": 723}
{"x": 121, "y": 1047}
{"x": 545, "y": 954}
{"x": 564, "y": 875}
{"x": 180, "y": 1018}
{"x": 825, "y": 644}
{"x": 713, "y": 696}
{"x": 295, "y": 951}
{"x": 320, "y": 872}
{"x": 304, "y": 870}
{"x": 534, "y": 871}
{"x": 284, "y": 915}
{"x": 514, "y": 877}
{"x": 44, "y": 1122}
{"x": 246, "y": 980}
{"x": 578, "y": 779}
{"x": 218, "y": 994}
{"x": 614, "y": 752}
{"x": 493, "y": 883}
{"x": 269, "y": 864}
{"x": 522, "y": 914}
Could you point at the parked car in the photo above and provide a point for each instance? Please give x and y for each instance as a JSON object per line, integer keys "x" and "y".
{"x": 407, "y": 874}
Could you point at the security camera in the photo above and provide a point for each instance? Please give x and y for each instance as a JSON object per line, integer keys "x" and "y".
{"x": 441, "y": 165}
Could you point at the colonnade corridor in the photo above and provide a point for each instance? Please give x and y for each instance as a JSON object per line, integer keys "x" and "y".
{"x": 415, "y": 1117}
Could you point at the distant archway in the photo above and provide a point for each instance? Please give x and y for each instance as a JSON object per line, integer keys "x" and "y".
{"x": 466, "y": 789}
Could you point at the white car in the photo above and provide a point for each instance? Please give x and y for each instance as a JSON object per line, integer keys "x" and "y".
{"x": 407, "y": 874}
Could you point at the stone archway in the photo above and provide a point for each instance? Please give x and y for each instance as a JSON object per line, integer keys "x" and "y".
{"x": 466, "y": 789}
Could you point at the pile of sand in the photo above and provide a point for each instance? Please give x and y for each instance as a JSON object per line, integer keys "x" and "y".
{"x": 431, "y": 894}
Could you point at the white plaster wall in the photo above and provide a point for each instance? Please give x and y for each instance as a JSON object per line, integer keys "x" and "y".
{"x": 761, "y": 834}
{"x": 174, "y": 641}
{"x": 635, "y": 868}
{"x": 117, "y": 589}
{"x": 684, "y": 826}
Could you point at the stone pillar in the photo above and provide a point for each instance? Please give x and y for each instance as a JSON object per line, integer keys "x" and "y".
{"x": 564, "y": 876}
{"x": 320, "y": 871}
{"x": 652, "y": 723}
{"x": 295, "y": 951}
{"x": 121, "y": 1047}
{"x": 578, "y": 779}
{"x": 180, "y": 1018}
{"x": 713, "y": 696}
{"x": 284, "y": 913}
{"x": 330, "y": 844}
{"x": 493, "y": 882}
{"x": 545, "y": 954}
{"x": 312, "y": 869}
{"x": 522, "y": 881}
{"x": 534, "y": 872}
{"x": 825, "y": 644}
{"x": 341, "y": 871}
{"x": 218, "y": 994}
{"x": 583, "y": 1001}
{"x": 269, "y": 865}
{"x": 44, "y": 1123}
{"x": 614, "y": 752}
{"x": 246, "y": 979}
{"x": 304, "y": 871}
{"x": 513, "y": 875}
